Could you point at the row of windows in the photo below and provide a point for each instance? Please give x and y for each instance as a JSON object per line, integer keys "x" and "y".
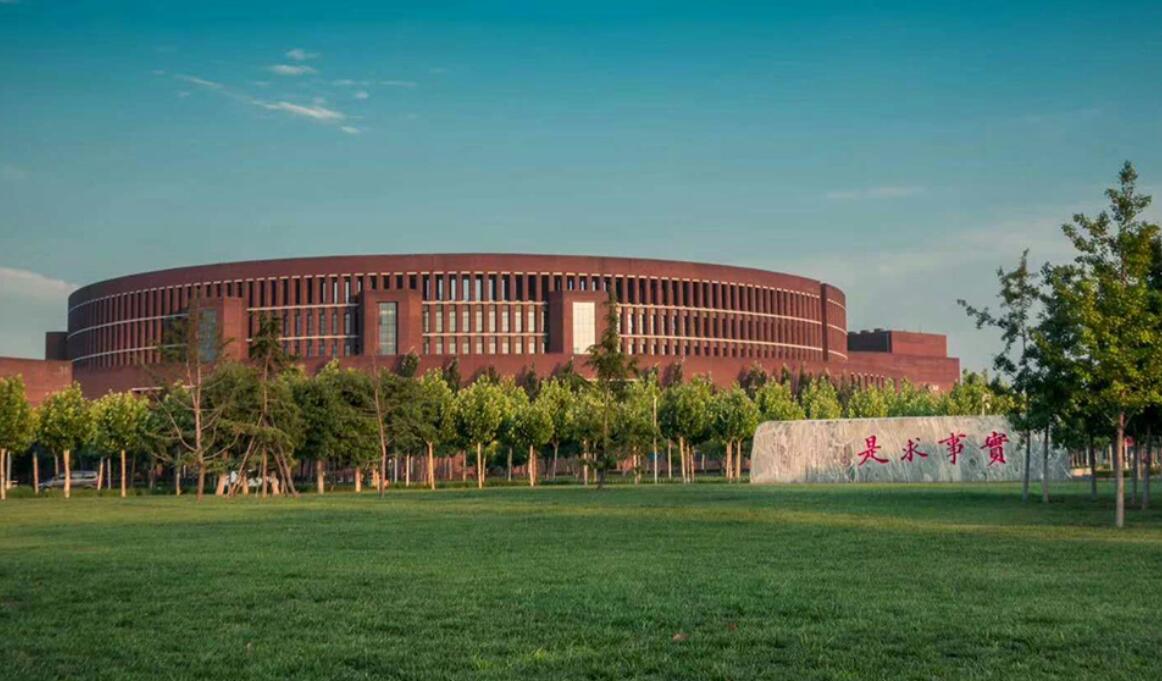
{"x": 516, "y": 287}
{"x": 115, "y": 330}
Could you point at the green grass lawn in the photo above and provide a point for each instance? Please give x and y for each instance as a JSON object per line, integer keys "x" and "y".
{"x": 699, "y": 582}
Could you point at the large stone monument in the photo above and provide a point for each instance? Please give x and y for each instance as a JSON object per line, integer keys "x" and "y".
{"x": 910, "y": 449}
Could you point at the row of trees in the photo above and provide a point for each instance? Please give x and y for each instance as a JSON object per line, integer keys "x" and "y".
{"x": 1080, "y": 341}
{"x": 261, "y": 420}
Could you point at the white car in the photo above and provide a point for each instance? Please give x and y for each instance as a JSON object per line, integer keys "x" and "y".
{"x": 79, "y": 479}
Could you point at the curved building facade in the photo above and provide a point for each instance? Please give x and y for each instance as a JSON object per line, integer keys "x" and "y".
{"x": 509, "y": 312}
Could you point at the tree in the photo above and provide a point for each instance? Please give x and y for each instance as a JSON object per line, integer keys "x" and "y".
{"x": 685, "y": 417}
{"x": 434, "y": 407}
{"x": 776, "y": 402}
{"x": 735, "y": 420}
{"x": 477, "y": 414}
{"x": 514, "y": 400}
{"x": 66, "y": 425}
{"x": 191, "y": 346}
{"x": 1019, "y": 295}
{"x": 1117, "y": 312}
{"x": 17, "y": 426}
{"x": 613, "y": 369}
{"x": 119, "y": 421}
{"x": 867, "y": 402}
{"x": 557, "y": 398}
{"x": 820, "y": 400}
{"x": 533, "y": 429}
{"x": 634, "y": 422}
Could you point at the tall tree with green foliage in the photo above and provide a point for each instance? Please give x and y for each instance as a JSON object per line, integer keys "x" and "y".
{"x": 66, "y": 425}
{"x": 776, "y": 402}
{"x": 612, "y": 369}
{"x": 820, "y": 399}
{"x": 533, "y": 428}
{"x": 120, "y": 421}
{"x": 634, "y": 424}
{"x": 477, "y": 412}
{"x": 434, "y": 416}
{"x": 867, "y": 402}
{"x": 557, "y": 398}
{"x": 191, "y": 346}
{"x": 1019, "y": 296}
{"x": 685, "y": 417}
{"x": 17, "y": 426}
{"x": 1117, "y": 308}
{"x": 735, "y": 419}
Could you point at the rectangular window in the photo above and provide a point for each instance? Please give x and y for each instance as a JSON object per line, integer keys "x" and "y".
{"x": 208, "y": 335}
{"x": 452, "y": 320}
{"x": 479, "y": 323}
{"x": 504, "y": 346}
{"x": 426, "y": 322}
{"x": 464, "y": 346}
{"x": 439, "y": 320}
{"x": 532, "y": 318}
{"x": 464, "y": 319}
{"x": 479, "y": 345}
{"x": 492, "y": 345}
{"x": 439, "y": 346}
{"x": 388, "y": 326}
{"x": 584, "y": 327}
{"x": 504, "y": 319}
{"x": 518, "y": 320}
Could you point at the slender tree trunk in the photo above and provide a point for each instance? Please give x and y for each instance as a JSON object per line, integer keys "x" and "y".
{"x": 56, "y": 465}
{"x": 1119, "y": 480}
{"x": 738, "y": 460}
{"x": 3, "y": 474}
{"x": 124, "y": 482}
{"x": 100, "y": 473}
{"x": 1045, "y": 466}
{"x": 265, "y": 474}
{"x": 669, "y": 460}
{"x": 320, "y": 476}
{"x": 727, "y": 464}
{"x": 35, "y": 473}
{"x": 1146, "y": 473}
{"x": 382, "y": 471}
{"x": 220, "y": 485}
{"x": 431, "y": 465}
{"x": 463, "y": 466}
{"x": 1092, "y": 471}
{"x": 407, "y": 471}
{"x": 532, "y": 467}
{"x": 68, "y": 475}
{"x": 479, "y": 465}
{"x": 177, "y": 480}
{"x": 358, "y": 479}
{"x": 1132, "y": 460}
{"x": 509, "y": 473}
{"x": 201, "y": 477}
{"x": 1028, "y": 460}
{"x": 556, "y": 446}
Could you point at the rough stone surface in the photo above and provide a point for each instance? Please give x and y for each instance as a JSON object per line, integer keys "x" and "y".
{"x": 832, "y": 451}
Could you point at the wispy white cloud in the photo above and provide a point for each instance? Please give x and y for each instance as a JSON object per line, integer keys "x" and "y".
{"x": 347, "y": 82}
{"x": 398, "y": 83}
{"x": 11, "y": 173}
{"x": 362, "y": 94}
{"x": 886, "y": 192}
{"x": 318, "y": 113}
{"x": 200, "y": 81}
{"x": 350, "y": 129}
{"x": 291, "y": 70}
{"x": 299, "y": 54}
{"x": 18, "y": 283}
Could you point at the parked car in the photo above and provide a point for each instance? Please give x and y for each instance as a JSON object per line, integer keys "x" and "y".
{"x": 80, "y": 479}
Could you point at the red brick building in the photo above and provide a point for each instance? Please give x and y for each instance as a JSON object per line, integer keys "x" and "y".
{"x": 510, "y": 312}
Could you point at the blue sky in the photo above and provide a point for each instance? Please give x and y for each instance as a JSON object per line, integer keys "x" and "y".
{"x": 900, "y": 152}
